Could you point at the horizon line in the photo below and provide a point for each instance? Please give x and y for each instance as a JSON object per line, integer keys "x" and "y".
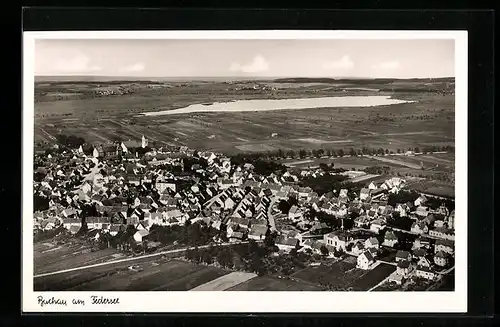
{"x": 263, "y": 77}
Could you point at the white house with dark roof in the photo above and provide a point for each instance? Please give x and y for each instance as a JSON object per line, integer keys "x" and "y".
{"x": 377, "y": 225}
{"x": 403, "y": 268}
{"x": 140, "y": 235}
{"x": 295, "y": 213}
{"x": 372, "y": 242}
{"x": 441, "y": 259}
{"x": 286, "y": 243}
{"x": 419, "y": 228}
{"x": 337, "y": 240}
{"x": 257, "y": 232}
{"x": 424, "y": 262}
{"x": 358, "y": 248}
{"x": 422, "y": 211}
{"x": 447, "y": 246}
{"x": 365, "y": 261}
{"x": 443, "y": 233}
{"x": 403, "y": 256}
{"x": 420, "y": 200}
{"x": 425, "y": 272}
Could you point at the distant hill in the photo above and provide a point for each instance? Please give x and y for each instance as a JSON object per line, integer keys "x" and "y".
{"x": 360, "y": 80}
{"x": 139, "y": 79}
{"x": 96, "y": 79}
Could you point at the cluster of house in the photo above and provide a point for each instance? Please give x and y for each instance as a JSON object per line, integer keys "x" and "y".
{"x": 233, "y": 199}
{"x": 126, "y": 193}
{"x": 426, "y": 257}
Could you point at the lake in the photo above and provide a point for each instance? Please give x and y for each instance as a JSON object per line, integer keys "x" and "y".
{"x": 283, "y": 104}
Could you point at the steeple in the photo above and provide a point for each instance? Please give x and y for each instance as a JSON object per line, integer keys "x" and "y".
{"x": 144, "y": 142}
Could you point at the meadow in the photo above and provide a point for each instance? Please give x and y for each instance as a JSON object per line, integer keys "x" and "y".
{"x": 427, "y": 121}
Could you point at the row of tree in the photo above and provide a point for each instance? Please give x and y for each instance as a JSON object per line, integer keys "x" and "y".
{"x": 251, "y": 257}
{"x": 70, "y": 141}
{"x": 333, "y": 152}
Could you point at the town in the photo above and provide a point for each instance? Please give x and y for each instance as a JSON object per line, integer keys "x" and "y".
{"x": 140, "y": 199}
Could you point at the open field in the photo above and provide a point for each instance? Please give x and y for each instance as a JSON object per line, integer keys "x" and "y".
{"x": 373, "y": 277}
{"x": 159, "y": 274}
{"x": 163, "y": 273}
{"x": 397, "y": 162}
{"x": 225, "y": 282}
{"x": 344, "y": 275}
{"x": 434, "y": 188}
{"x": 69, "y": 257}
{"x": 339, "y": 275}
{"x": 365, "y": 178}
{"x": 343, "y": 162}
{"x": 99, "y": 118}
{"x": 268, "y": 283}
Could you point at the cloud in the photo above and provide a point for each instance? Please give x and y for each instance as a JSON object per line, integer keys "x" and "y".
{"x": 77, "y": 64}
{"x": 387, "y": 65}
{"x": 343, "y": 63}
{"x": 258, "y": 64}
{"x": 137, "y": 67}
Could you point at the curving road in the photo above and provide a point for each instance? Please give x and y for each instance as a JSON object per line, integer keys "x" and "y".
{"x": 130, "y": 259}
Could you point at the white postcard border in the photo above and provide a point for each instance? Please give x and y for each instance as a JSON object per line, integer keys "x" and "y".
{"x": 455, "y": 301}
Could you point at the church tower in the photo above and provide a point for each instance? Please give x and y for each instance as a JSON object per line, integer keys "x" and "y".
{"x": 144, "y": 142}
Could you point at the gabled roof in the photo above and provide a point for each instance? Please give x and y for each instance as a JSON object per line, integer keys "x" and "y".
{"x": 368, "y": 255}
{"x": 402, "y": 254}
{"x": 419, "y": 252}
{"x": 447, "y": 243}
{"x": 440, "y": 254}
{"x": 173, "y": 213}
{"x": 238, "y": 235}
{"x": 258, "y": 229}
{"x": 359, "y": 245}
{"x": 403, "y": 264}
{"x": 116, "y": 227}
{"x": 287, "y": 241}
{"x": 143, "y": 232}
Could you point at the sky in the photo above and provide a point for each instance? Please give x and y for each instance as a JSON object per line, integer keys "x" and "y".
{"x": 425, "y": 58}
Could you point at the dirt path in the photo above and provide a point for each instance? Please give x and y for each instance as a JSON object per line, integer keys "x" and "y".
{"x": 225, "y": 282}
{"x": 126, "y": 260}
{"x": 397, "y": 162}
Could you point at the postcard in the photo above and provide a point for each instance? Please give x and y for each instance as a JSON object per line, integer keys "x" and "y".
{"x": 244, "y": 171}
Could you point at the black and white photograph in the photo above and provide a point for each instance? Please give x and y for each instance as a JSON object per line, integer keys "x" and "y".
{"x": 312, "y": 163}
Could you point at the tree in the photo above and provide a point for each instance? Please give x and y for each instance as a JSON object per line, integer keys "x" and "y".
{"x": 341, "y": 153}
{"x": 323, "y": 166}
{"x": 302, "y": 153}
{"x": 324, "y": 250}
{"x": 40, "y": 203}
{"x": 292, "y": 200}
{"x": 207, "y": 257}
{"x": 284, "y": 206}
